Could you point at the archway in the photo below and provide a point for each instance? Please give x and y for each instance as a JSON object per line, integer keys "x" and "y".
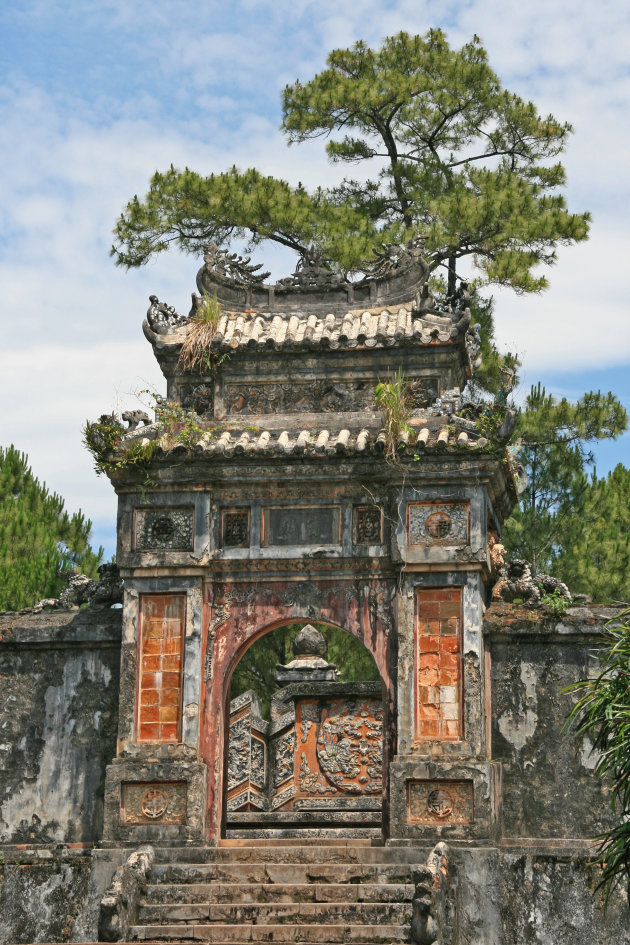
{"x": 305, "y": 745}
{"x": 236, "y": 614}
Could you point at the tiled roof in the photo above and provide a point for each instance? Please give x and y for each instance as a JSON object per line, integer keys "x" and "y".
{"x": 322, "y": 442}
{"x": 382, "y": 328}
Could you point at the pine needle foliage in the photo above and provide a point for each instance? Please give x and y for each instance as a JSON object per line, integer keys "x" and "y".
{"x": 555, "y": 436}
{"x": 445, "y": 152}
{"x": 38, "y": 538}
{"x": 602, "y": 714}
{"x": 593, "y": 555}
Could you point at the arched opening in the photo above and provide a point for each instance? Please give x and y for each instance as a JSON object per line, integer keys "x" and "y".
{"x": 306, "y": 705}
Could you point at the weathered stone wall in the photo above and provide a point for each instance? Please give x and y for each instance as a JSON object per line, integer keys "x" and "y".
{"x": 548, "y": 786}
{"x": 59, "y": 673}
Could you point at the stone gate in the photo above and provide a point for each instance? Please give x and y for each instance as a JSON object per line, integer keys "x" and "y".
{"x": 276, "y": 491}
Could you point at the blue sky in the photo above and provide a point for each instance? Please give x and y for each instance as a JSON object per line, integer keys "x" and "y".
{"x": 97, "y": 94}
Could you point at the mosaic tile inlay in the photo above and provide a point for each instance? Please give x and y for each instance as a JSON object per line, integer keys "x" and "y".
{"x": 160, "y": 662}
{"x": 431, "y": 523}
{"x": 438, "y": 663}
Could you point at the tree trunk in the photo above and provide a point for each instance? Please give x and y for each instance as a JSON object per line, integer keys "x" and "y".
{"x": 452, "y": 276}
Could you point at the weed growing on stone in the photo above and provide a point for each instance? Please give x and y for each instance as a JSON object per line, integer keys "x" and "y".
{"x": 392, "y": 398}
{"x": 200, "y": 330}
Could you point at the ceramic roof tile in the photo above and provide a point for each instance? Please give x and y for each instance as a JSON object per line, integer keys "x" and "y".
{"x": 325, "y": 442}
{"x": 380, "y": 328}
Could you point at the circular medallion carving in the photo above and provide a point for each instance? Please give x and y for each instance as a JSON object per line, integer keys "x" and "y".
{"x": 438, "y": 524}
{"x": 154, "y": 803}
{"x": 440, "y": 802}
{"x": 162, "y": 529}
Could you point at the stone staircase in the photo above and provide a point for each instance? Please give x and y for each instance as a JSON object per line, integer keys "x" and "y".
{"x": 281, "y": 891}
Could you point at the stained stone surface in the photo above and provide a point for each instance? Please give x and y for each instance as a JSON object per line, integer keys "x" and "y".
{"x": 438, "y": 523}
{"x": 444, "y": 802}
{"x": 164, "y": 529}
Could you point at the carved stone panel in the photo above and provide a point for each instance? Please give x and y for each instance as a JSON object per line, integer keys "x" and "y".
{"x": 239, "y": 762}
{"x": 252, "y": 398}
{"x": 199, "y": 398}
{"x": 440, "y": 802}
{"x": 423, "y": 391}
{"x": 258, "y": 763}
{"x": 162, "y": 529}
{"x": 340, "y": 747}
{"x": 368, "y": 525}
{"x": 284, "y": 753}
{"x": 438, "y": 523}
{"x": 314, "y": 525}
{"x": 235, "y": 528}
{"x": 162, "y": 802}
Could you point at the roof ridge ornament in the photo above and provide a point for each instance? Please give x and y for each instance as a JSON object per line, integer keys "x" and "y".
{"x": 232, "y": 268}
{"x": 393, "y": 277}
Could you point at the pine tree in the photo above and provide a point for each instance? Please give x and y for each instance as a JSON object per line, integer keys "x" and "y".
{"x": 37, "y": 536}
{"x": 553, "y": 448}
{"x": 451, "y": 156}
{"x": 593, "y": 554}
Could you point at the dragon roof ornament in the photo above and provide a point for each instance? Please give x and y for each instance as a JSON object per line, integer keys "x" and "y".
{"x": 395, "y": 275}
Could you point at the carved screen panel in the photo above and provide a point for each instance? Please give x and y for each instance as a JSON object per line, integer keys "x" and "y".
{"x": 368, "y": 525}
{"x": 438, "y": 669}
{"x": 314, "y": 525}
{"x": 162, "y": 529}
{"x": 339, "y": 747}
{"x": 160, "y": 665}
{"x": 235, "y": 528}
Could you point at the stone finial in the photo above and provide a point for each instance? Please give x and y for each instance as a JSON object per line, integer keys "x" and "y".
{"x": 309, "y": 643}
{"x": 309, "y": 662}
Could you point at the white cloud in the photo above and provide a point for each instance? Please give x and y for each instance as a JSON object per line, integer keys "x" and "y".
{"x": 207, "y": 97}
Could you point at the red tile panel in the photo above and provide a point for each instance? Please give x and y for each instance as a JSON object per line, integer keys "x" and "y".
{"x": 160, "y": 666}
{"x": 438, "y": 659}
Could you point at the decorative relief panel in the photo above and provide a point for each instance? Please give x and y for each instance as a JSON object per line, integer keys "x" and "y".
{"x": 258, "y": 763}
{"x": 199, "y": 398}
{"x": 314, "y": 525}
{"x": 162, "y": 802}
{"x": 368, "y": 525}
{"x": 235, "y": 528}
{"x": 299, "y": 397}
{"x": 161, "y": 529}
{"x": 240, "y": 751}
{"x": 160, "y": 664}
{"x": 284, "y": 754}
{"x": 340, "y": 747}
{"x": 440, "y": 802}
{"x": 433, "y": 523}
{"x": 423, "y": 391}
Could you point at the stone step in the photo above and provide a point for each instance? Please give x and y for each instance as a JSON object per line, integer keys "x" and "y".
{"x": 326, "y": 913}
{"x": 279, "y": 892}
{"x": 257, "y": 914}
{"x": 282, "y": 873}
{"x": 302, "y": 833}
{"x": 307, "y": 841}
{"x": 294, "y": 853}
{"x": 220, "y": 934}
